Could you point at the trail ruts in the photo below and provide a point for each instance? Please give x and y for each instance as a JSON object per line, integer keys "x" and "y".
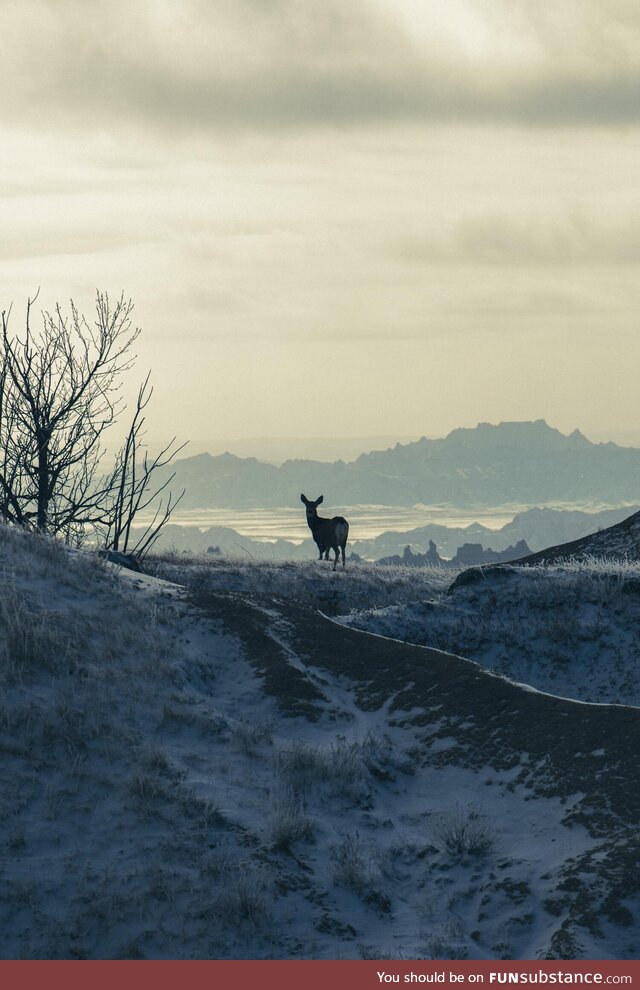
{"x": 555, "y": 747}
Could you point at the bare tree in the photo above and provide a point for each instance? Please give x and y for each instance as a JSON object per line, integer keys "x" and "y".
{"x": 59, "y": 393}
{"x": 133, "y": 488}
{"x": 11, "y": 468}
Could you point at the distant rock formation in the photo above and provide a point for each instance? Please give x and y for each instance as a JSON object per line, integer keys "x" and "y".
{"x": 472, "y": 554}
{"x": 410, "y": 559}
{"x": 432, "y": 556}
{"x": 540, "y": 527}
{"x": 468, "y": 555}
{"x": 620, "y": 542}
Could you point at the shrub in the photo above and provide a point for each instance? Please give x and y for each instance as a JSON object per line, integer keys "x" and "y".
{"x": 288, "y": 821}
{"x": 249, "y": 736}
{"x": 357, "y": 867}
{"x": 245, "y": 896}
{"x": 340, "y": 766}
{"x": 463, "y": 832}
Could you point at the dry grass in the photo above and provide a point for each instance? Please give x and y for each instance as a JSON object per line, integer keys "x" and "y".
{"x": 362, "y": 585}
{"x": 150, "y": 811}
{"x": 463, "y": 833}
{"x": 570, "y": 629}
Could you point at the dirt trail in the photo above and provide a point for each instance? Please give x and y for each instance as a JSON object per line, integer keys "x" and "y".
{"x": 553, "y": 746}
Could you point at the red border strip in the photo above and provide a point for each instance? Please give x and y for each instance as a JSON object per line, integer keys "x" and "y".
{"x": 314, "y": 975}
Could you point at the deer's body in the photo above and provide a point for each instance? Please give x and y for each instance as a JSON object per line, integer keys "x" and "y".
{"x": 328, "y": 534}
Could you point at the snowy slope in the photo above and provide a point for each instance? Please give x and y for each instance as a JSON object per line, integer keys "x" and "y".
{"x": 233, "y": 775}
{"x": 618, "y": 542}
{"x": 572, "y": 631}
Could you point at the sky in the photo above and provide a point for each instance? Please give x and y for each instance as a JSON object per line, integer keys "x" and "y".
{"x": 380, "y": 217}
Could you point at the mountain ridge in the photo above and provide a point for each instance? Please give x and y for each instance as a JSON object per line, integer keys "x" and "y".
{"x": 526, "y": 462}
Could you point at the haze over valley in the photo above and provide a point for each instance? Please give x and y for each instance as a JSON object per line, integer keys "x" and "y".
{"x": 494, "y": 485}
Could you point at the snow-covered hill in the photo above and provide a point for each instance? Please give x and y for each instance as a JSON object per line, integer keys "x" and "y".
{"x": 618, "y": 542}
{"x": 230, "y": 774}
{"x": 571, "y": 630}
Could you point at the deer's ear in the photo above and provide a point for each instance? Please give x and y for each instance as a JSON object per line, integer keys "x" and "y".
{"x": 303, "y": 498}
{"x": 319, "y": 500}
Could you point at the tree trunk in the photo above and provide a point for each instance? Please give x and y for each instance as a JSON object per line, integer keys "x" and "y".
{"x": 43, "y": 486}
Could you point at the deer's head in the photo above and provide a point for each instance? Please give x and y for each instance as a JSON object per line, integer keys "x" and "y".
{"x": 311, "y": 506}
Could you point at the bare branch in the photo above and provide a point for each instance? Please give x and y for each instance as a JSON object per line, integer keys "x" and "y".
{"x": 59, "y": 393}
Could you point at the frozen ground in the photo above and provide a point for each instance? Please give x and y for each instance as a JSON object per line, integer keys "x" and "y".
{"x": 222, "y": 772}
{"x": 362, "y": 586}
{"x": 572, "y": 630}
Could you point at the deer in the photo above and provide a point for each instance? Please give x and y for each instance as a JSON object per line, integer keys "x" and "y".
{"x": 329, "y": 534}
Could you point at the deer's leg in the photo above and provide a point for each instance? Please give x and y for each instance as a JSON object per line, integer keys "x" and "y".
{"x": 326, "y": 553}
{"x": 337, "y": 552}
{"x": 344, "y": 566}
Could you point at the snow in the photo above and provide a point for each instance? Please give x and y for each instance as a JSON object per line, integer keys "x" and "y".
{"x": 571, "y": 632}
{"x": 158, "y": 803}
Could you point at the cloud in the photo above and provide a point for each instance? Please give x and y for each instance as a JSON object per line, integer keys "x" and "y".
{"x": 516, "y": 241}
{"x": 601, "y": 33}
{"x": 268, "y": 65}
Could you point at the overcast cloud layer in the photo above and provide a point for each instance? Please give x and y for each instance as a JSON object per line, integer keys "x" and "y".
{"x": 265, "y": 64}
{"x": 318, "y": 207}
